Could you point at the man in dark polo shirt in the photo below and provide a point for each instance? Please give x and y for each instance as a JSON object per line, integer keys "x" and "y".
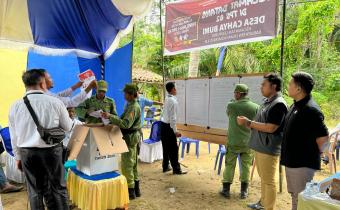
{"x": 305, "y": 134}
{"x": 266, "y": 138}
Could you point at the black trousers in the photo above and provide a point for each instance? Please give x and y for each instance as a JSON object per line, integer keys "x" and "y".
{"x": 170, "y": 148}
{"x": 44, "y": 172}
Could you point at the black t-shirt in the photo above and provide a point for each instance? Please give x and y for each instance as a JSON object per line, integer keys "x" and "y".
{"x": 276, "y": 116}
{"x": 304, "y": 124}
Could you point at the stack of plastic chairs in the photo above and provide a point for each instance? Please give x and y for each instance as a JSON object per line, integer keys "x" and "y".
{"x": 11, "y": 171}
{"x": 151, "y": 149}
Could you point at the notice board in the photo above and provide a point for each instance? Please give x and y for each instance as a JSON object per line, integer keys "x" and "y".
{"x": 202, "y": 110}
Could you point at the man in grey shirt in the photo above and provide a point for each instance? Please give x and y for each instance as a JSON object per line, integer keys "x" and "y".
{"x": 266, "y": 138}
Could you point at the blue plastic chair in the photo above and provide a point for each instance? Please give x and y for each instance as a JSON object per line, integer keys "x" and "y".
{"x": 6, "y": 137}
{"x": 155, "y": 135}
{"x": 150, "y": 116}
{"x": 186, "y": 142}
{"x": 220, "y": 155}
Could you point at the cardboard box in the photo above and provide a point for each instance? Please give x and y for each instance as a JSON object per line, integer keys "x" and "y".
{"x": 97, "y": 148}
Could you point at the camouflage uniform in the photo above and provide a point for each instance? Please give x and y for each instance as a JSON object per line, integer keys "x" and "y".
{"x": 130, "y": 125}
{"x": 93, "y": 104}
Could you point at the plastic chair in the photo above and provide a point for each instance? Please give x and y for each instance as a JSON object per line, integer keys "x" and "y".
{"x": 12, "y": 172}
{"x": 6, "y": 140}
{"x": 219, "y": 158}
{"x": 150, "y": 116}
{"x": 155, "y": 134}
{"x": 151, "y": 148}
{"x": 186, "y": 142}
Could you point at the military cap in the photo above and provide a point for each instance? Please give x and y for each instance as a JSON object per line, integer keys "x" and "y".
{"x": 102, "y": 85}
{"x": 130, "y": 89}
{"x": 241, "y": 88}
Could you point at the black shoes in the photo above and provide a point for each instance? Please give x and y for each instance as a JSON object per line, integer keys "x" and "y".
{"x": 132, "y": 194}
{"x": 244, "y": 190}
{"x": 256, "y": 206}
{"x": 137, "y": 189}
{"x": 167, "y": 169}
{"x": 225, "y": 192}
{"x": 181, "y": 172}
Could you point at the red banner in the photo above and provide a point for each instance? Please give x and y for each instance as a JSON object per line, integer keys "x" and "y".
{"x": 194, "y": 25}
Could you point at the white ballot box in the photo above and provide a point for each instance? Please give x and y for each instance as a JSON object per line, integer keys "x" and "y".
{"x": 96, "y": 148}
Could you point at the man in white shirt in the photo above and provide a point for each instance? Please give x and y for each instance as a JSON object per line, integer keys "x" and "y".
{"x": 65, "y": 95}
{"x": 169, "y": 131}
{"x": 40, "y": 162}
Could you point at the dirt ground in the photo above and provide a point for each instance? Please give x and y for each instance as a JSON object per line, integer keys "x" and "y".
{"x": 196, "y": 190}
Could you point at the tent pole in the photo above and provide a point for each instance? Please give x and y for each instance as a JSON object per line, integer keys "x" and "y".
{"x": 102, "y": 66}
{"x": 281, "y": 72}
{"x": 162, "y": 44}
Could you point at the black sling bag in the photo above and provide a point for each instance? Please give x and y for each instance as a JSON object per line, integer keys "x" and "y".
{"x": 51, "y": 135}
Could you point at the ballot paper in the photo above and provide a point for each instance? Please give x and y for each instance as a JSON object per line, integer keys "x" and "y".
{"x": 98, "y": 114}
{"x": 86, "y": 77}
{"x": 105, "y": 121}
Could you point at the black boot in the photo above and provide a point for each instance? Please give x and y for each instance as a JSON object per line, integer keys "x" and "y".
{"x": 132, "y": 194}
{"x": 226, "y": 190}
{"x": 244, "y": 190}
{"x": 137, "y": 189}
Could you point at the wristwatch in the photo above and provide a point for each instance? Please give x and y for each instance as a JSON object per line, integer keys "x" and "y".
{"x": 248, "y": 123}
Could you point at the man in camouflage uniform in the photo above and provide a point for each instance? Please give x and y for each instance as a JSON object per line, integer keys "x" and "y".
{"x": 95, "y": 103}
{"x": 237, "y": 141}
{"x": 130, "y": 126}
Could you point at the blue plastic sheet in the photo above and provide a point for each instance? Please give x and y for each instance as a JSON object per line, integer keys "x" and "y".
{"x": 90, "y": 25}
{"x": 97, "y": 177}
{"x": 64, "y": 70}
{"x": 117, "y": 73}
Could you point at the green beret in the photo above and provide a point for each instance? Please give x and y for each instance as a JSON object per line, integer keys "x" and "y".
{"x": 102, "y": 85}
{"x": 131, "y": 89}
{"x": 241, "y": 88}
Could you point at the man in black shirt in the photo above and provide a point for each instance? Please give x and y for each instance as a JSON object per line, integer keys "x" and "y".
{"x": 304, "y": 136}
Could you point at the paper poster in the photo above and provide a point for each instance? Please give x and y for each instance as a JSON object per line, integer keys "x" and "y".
{"x": 197, "y": 102}
{"x": 180, "y": 87}
{"x": 221, "y": 92}
{"x": 254, "y": 84}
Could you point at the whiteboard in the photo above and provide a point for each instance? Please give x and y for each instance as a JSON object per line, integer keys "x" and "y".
{"x": 221, "y": 92}
{"x": 180, "y": 87}
{"x": 254, "y": 84}
{"x": 197, "y": 102}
